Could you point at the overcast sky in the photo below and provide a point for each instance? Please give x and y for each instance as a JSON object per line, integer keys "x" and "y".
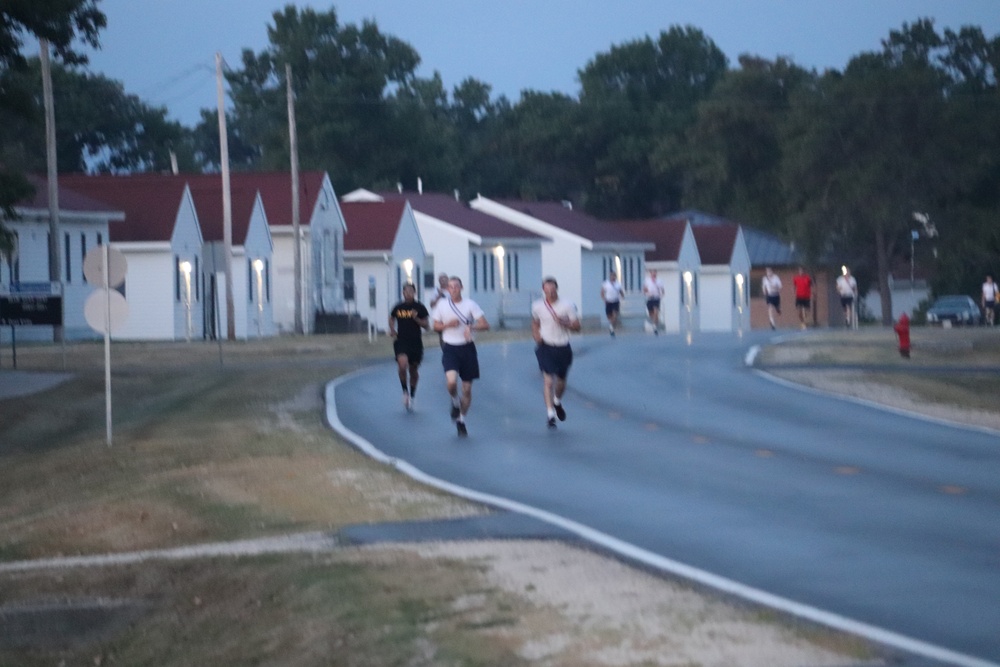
{"x": 165, "y": 51}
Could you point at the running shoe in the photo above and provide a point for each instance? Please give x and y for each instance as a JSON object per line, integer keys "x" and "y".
{"x": 612, "y": 331}
{"x": 560, "y": 412}
{"x": 406, "y": 401}
{"x": 455, "y": 411}
{"x": 552, "y": 422}
{"x": 413, "y": 404}
{"x": 462, "y": 431}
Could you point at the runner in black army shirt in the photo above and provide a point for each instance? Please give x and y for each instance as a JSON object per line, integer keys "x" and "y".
{"x": 406, "y": 319}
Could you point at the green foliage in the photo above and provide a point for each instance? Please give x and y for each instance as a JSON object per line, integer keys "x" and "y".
{"x": 99, "y": 127}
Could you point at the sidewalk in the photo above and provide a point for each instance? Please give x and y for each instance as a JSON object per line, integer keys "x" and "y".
{"x": 22, "y": 383}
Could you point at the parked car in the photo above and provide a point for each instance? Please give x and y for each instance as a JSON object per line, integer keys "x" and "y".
{"x": 954, "y": 308}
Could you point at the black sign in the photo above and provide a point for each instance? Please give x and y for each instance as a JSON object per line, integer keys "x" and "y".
{"x": 28, "y": 309}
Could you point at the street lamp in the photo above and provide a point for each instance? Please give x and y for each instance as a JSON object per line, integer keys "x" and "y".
{"x": 258, "y": 266}
{"x": 408, "y": 269}
{"x": 185, "y": 267}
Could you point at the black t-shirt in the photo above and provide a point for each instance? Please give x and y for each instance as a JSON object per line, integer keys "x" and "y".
{"x": 406, "y": 316}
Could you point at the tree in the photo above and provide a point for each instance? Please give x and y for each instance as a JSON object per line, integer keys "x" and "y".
{"x": 868, "y": 148}
{"x": 343, "y": 77}
{"x": 60, "y": 23}
{"x": 637, "y": 101}
{"x": 99, "y": 127}
{"x": 732, "y": 154}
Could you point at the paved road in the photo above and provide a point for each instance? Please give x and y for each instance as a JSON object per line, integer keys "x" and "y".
{"x": 682, "y": 451}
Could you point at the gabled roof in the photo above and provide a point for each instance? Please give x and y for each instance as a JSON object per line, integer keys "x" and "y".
{"x": 716, "y": 243}
{"x": 373, "y": 225}
{"x": 69, "y": 199}
{"x": 276, "y": 192}
{"x": 764, "y": 249}
{"x": 208, "y": 205}
{"x": 564, "y": 217}
{"x": 150, "y": 206}
{"x": 448, "y": 209}
{"x": 667, "y": 234}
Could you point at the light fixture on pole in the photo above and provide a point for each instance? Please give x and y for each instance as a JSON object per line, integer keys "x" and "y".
{"x": 185, "y": 267}
{"x": 408, "y": 269}
{"x": 500, "y": 252}
{"x": 258, "y": 267}
{"x": 739, "y": 299}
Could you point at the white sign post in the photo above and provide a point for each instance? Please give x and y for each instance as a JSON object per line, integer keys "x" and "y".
{"x": 105, "y": 309}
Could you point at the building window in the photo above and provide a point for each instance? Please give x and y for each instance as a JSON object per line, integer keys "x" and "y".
{"x": 197, "y": 287}
{"x": 15, "y": 270}
{"x": 69, "y": 274}
{"x": 475, "y": 273}
{"x": 177, "y": 278}
{"x": 83, "y": 253}
{"x": 250, "y": 293}
{"x": 517, "y": 273}
{"x": 267, "y": 280}
{"x": 493, "y": 272}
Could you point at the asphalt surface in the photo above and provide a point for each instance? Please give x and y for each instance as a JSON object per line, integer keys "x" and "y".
{"x": 677, "y": 454}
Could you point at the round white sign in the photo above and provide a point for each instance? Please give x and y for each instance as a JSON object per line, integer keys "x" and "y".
{"x": 97, "y": 306}
{"x": 93, "y": 267}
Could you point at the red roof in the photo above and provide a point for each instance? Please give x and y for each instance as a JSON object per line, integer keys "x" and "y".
{"x": 150, "y": 207}
{"x": 575, "y": 222}
{"x": 276, "y": 193}
{"x": 275, "y": 190}
{"x": 715, "y": 242}
{"x": 208, "y": 204}
{"x": 459, "y": 214}
{"x": 69, "y": 199}
{"x": 371, "y": 225}
{"x": 668, "y": 235}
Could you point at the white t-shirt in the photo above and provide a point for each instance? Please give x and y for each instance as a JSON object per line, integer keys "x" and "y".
{"x": 653, "y": 289}
{"x": 846, "y": 286}
{"x": 466, "y": 311}
{"x": 989, "y": 292}
{"x": 612, "y": 291}
{"x": 771, "y": 285}
{"x": 554, "y": 331}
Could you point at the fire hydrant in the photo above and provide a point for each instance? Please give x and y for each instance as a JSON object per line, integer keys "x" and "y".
{"x": 902, "y": 329}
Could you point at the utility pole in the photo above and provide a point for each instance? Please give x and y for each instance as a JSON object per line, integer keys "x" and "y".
{"x": 227, "y": 202}
{"x": 55, "y": 267}
{"x": 293, "y": 142}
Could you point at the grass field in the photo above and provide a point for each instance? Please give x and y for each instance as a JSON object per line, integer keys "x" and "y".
{"x": 211, "y": 447}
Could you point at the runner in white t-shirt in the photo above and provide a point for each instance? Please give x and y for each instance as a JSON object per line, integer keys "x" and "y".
{"x": 552, "y": 320}
{"x": 770, "y": 285}
{"x": 989, "y": 300}
{"x": 456, "y": 319}
{"x": 612, "y": 293}
{"x": 652, "y": 287}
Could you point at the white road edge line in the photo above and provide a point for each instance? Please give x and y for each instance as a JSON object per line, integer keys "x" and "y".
{"x": 649, "y": 558}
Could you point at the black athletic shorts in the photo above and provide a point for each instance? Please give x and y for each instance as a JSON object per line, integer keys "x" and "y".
{"x": 773, "y": 300}
{"x": 554, "y": 359}
{"x": 461, "y": 358}
{"x": 612, "y": 307}
{"x": 651, "y": 304}
{"x": 413, "y": 349}
{"x": 802, "y": 303}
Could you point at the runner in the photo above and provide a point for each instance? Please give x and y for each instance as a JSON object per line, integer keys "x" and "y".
{"x": 803, "y": 294}
{"x": 652, "y": 287}
{"x": 612, "y": 292}
{"x": 770, "y": 285}
{"x": 456, "y": 319}
{"x": 551, "y": 321}
{"x": 407, "y": 319}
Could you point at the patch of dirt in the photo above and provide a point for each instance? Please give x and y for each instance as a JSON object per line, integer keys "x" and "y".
{"x": 584, "y": 609}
